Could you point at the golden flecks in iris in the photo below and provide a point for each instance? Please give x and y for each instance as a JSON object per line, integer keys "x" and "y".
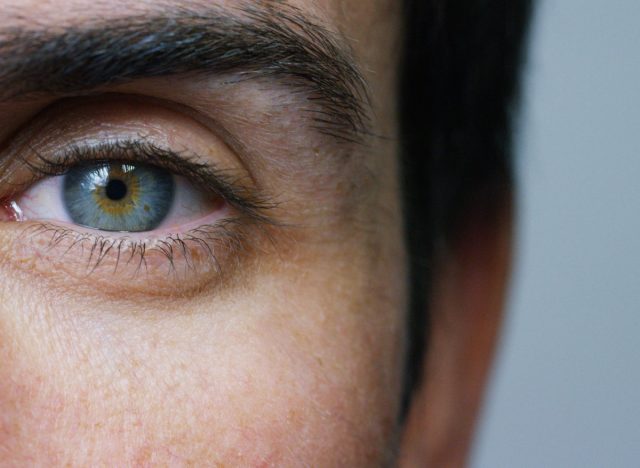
{"x": 126, "y": 205}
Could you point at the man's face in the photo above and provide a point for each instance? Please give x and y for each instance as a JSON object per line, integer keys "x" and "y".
{"x": 256, "y": 316}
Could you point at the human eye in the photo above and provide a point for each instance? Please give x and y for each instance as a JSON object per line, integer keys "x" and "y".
{"x": 124, "y": 204}
{"x": 127, "y": 188}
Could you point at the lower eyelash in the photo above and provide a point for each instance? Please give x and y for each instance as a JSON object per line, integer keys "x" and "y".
{"x": 191, "y": 251}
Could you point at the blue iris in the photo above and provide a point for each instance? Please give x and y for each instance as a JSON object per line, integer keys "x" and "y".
{"x": 118, "y": 197}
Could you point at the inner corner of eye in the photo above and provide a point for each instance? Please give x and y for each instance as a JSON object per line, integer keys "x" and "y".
{"x": 10, "y": 210}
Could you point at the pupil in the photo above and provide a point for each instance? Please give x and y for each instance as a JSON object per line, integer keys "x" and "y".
{"x": 116, "y": 189}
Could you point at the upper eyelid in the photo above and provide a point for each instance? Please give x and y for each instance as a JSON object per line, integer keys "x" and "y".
{"x": 247, "y": 143}
{"x": 134, "y": 128}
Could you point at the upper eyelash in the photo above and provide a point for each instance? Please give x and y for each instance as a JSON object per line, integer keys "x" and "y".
{"x": 204, "y": 176}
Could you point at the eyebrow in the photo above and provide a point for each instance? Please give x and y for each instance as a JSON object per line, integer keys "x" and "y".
{"x": 276, "y": 42}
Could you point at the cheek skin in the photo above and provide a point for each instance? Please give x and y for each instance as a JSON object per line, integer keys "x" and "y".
{"x": 300, "y": 367}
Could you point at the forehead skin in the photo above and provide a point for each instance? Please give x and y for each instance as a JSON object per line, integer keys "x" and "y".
{"x": 299, "y": 366}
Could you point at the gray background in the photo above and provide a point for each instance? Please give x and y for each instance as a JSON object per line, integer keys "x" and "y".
{"x": 566, "y": 389}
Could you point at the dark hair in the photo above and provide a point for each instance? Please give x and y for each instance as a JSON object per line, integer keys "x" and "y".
{"x": 458, "y": 89}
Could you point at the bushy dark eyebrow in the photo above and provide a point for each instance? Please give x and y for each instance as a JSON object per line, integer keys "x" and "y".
{"x": 255, "y": 42}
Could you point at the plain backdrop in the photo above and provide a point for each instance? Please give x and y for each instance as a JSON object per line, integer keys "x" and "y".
{"x": 566, "y": 387}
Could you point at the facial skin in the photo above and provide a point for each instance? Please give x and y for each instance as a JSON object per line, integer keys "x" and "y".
{"x": 280, "y": 341}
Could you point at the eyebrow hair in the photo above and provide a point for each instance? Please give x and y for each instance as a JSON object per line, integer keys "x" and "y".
{"x": 275, "y": 42}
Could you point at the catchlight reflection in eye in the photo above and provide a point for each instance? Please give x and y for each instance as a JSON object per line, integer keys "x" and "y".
{"x": 118, "y": 197}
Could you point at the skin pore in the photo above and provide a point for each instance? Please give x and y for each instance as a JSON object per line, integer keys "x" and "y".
{"x": 267, "y": 327}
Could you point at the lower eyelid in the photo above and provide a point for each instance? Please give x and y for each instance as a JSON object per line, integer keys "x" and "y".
{"x": 121, "y": 265}
{"x": 215, "y": 222}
